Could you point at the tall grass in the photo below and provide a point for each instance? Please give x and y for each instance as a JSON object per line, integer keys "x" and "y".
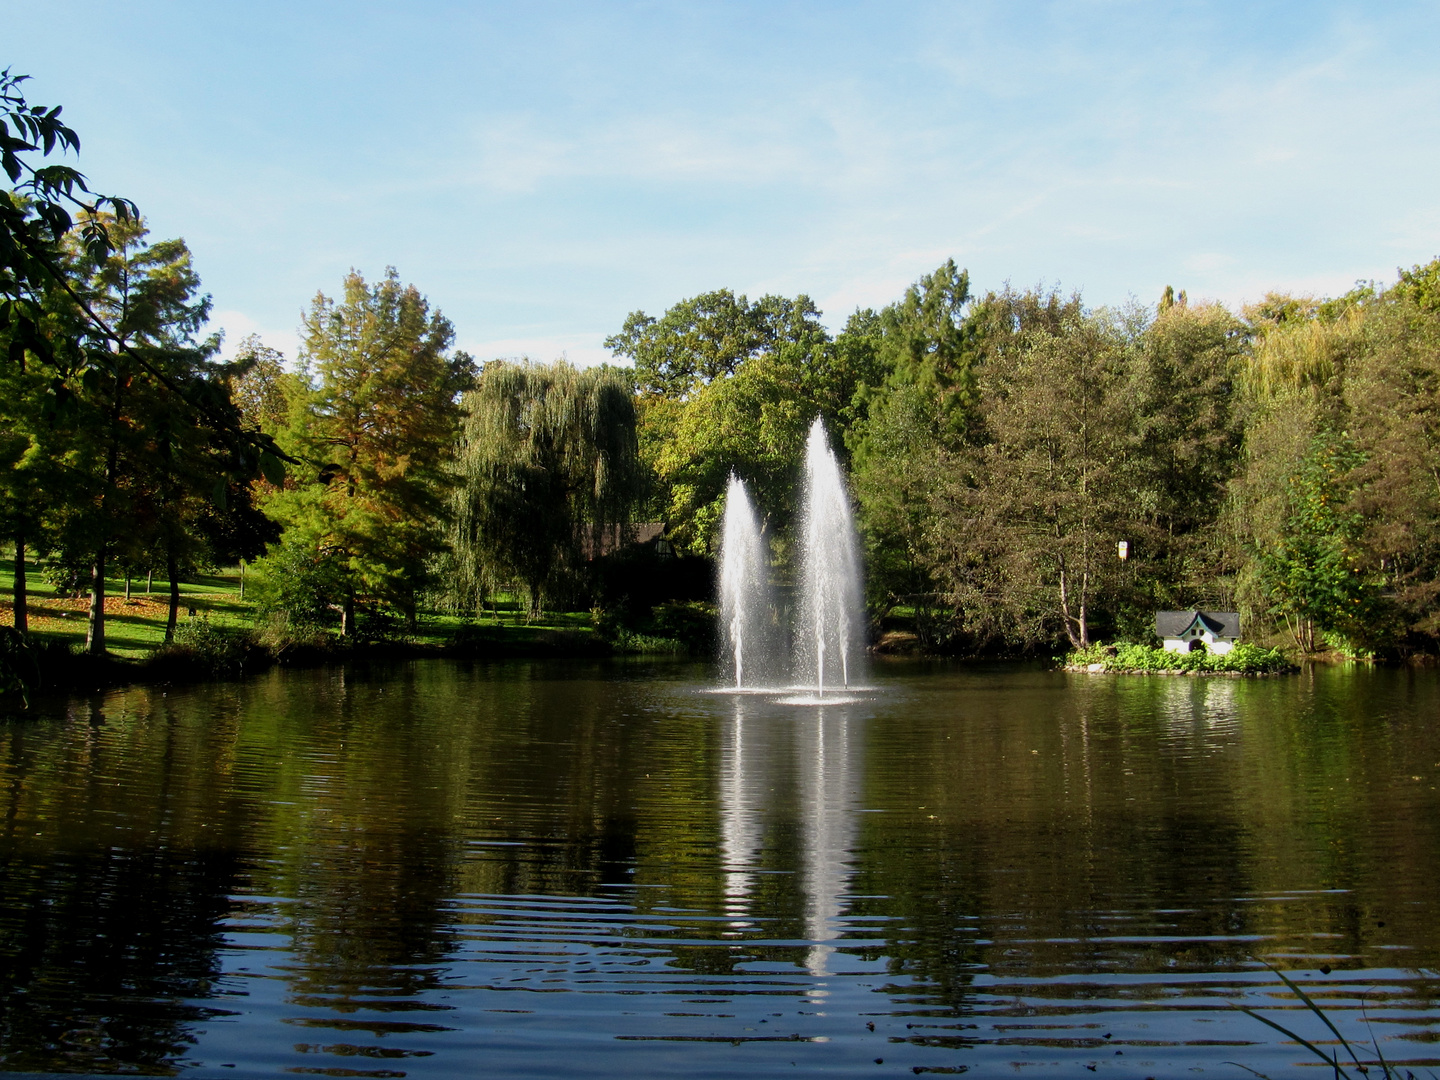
{"x": 1351, "y": 1070}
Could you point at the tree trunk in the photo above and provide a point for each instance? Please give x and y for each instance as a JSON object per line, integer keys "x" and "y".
{"x": 1076, "y": 642}
{"x": 347, "y": 616}
{"x": 242, "y": 579}
{"x": 127, "y": 584}
{"x": 149, "y": 581}
{"x": 95, "y": 634}
{"x": 22, "y": 617}
{"x": 174, "y": 616}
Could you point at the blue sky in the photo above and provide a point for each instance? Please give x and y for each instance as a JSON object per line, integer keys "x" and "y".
{"x": 540, "y": 170}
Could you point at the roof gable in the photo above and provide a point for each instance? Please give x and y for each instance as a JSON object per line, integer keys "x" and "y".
{"x": 1173, "y": 624}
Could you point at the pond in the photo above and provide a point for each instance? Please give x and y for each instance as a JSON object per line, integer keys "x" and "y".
{"x": 438, "y": 869}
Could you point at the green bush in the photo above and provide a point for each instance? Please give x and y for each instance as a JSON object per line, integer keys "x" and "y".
{"x": 691, "y": 623}
{"x": 1244, "y": 658}
{"x": 208, "y": 648}
{"x": 301, "y": 585}
{"x": 627, "y": 641}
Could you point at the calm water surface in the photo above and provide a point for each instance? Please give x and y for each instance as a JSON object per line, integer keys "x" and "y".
{"x": 437, "y": 870}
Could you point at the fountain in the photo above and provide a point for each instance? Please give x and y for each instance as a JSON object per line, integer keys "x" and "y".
{"x": 829, "y": 617}
{"x": 829, "y": 637}
{"x": 744, "y": 587}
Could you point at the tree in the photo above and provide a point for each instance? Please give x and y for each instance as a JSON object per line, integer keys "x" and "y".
{"x": 40, "y": 481}
{"x": 900, "y": 465}
{"x": 1391, "y": 395}
{"x": 727, "y": 385}
{"x": 752, "y": 423}
{"x": 1190, "y": 434}
{"x": 912, "y": 403}
{"x": 926, "y": 342}
{"x": 1315, "y": 570}
{"x": 374, "y": 418}
{"x": 55, "y": 278}
{"x": 40, "y": 357}
{"x": 1028, "y": 519}
{"x": 708, "y": 336}
{"x": 260, "y": 385}
{"x": 548, "y": 454}
{"x": 150, "y": 467}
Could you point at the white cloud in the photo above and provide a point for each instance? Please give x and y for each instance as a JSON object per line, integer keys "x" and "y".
{"x": 582, "y": 349}
{"x": 237, "y": 325}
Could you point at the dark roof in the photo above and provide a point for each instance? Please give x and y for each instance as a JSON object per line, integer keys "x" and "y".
{"x": 1220, "y": 623}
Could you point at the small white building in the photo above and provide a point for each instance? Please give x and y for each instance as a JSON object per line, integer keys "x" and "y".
{"x": 1190, "y": 631}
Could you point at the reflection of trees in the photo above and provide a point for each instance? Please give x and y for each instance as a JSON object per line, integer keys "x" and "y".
{"x": 1180, "y": 814}
{"x": 369, "y": 850}
{"x": 1036, "y": 831}
{"x": 115, "y": 871}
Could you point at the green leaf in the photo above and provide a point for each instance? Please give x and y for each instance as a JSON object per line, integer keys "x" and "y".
{"x": 272, "y": 468}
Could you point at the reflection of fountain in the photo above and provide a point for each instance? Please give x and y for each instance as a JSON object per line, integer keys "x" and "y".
{"x": 828, "y": 776}
{"x": 829, "y": 646}
{"x": 744, "y": 585}
{"x": 828, "y": 640}
{"x": 742, "y": 780}
{"x": 828, "y": 761}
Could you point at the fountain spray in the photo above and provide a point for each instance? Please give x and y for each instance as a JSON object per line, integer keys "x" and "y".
{"x": 830, "y": 602}
{"x": 744, "y": 585}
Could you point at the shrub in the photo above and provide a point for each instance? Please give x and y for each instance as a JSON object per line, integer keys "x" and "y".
{"x": 690, "y": 623}
{"x": 302, "y": 586}
{"x": 208, "y": 649}
{"x": 1244, "y": 658}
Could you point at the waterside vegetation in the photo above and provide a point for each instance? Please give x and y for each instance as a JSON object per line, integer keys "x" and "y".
{"x": 1132, "y": 659}
{"x": 1277, "y": 461}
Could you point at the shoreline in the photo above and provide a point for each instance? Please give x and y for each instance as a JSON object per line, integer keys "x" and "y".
{"x": 1101, "y": 669}
{"x": 67, "y": 672}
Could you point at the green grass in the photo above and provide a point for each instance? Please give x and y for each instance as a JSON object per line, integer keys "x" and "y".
{"x": 137, "y": 629}
{"x": 133, "y": 631}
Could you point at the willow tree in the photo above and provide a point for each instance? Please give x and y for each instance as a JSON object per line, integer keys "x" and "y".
{"x": 547, "y": 460}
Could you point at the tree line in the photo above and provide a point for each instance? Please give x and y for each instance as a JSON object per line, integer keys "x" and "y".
{"x": 1280, "y": 460}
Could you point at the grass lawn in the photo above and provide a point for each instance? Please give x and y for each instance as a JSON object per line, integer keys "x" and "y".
{"x": 134, "y": 628}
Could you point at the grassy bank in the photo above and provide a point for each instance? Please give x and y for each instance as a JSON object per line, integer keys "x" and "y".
{"x": 219, "y": 634}
{"x": 1129, "y": 659}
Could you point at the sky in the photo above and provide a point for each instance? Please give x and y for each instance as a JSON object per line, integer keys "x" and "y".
{"x": 541, "y": 170}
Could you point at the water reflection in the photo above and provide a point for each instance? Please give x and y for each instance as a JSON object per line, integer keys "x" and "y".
{"x": 600, "y": 871}
{"x": 824, "y": 751}
{"x": 744, "y": 780}
{"x": 829, "y": 780}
